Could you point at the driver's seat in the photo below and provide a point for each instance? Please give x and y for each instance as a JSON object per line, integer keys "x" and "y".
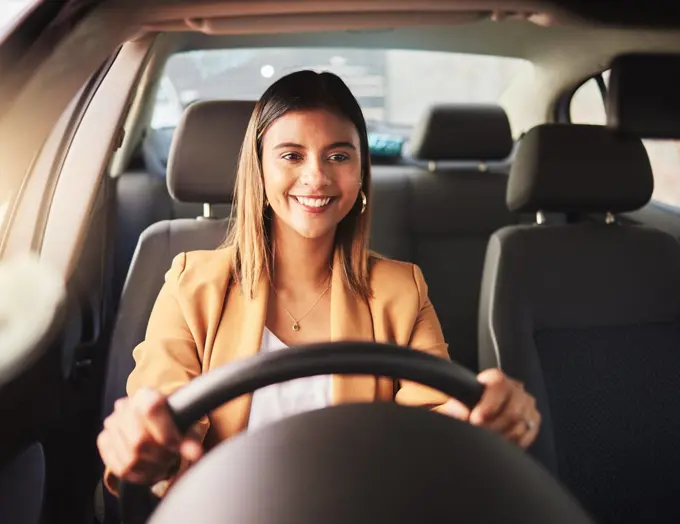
{"x": 587, "y": 315}
{"x": 201, "y": 169}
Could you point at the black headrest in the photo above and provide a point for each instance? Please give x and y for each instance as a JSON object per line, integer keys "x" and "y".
{"x": 643, "y": 95}
{"x": 462, "y": 132}
{"x": 205, "y": 150}
{"x": 579, "y": 168}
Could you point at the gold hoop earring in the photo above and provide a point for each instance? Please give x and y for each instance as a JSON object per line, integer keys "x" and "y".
{"x": 266, "y": 202}
{"x": 363, "y": 202}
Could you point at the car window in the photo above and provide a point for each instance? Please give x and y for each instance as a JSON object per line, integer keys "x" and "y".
{"x": 10, "y": 11}
{"x": 664, "y": 155}
{"x": 587, "y": 107}
{"x": 393, "y": 87}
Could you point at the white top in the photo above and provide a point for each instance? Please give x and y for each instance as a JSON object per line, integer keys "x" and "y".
{"x": 287, "y": 398}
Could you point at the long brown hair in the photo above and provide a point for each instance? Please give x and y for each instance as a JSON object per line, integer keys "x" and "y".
{"x": 250, "y": 232}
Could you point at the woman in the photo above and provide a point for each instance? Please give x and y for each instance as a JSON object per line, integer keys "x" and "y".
{"x": 295, "y": 270}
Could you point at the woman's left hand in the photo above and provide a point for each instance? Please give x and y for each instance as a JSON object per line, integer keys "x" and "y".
{"x": 505, "y": 407}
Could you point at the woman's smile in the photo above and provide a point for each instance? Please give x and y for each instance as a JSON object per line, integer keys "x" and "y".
{"x": 314, "y": 205}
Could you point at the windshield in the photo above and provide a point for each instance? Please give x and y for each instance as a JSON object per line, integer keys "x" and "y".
{"x": 392, "y": 86}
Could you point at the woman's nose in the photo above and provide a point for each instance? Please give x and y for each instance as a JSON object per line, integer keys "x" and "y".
{"x": 315, "y": 174}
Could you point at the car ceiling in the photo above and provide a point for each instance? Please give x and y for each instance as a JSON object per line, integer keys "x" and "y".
{"x": 630, "y": 13}
{"x": 544, "y": 32}
{"x": 508, "y": 38}
{"x": 540, "y": 28}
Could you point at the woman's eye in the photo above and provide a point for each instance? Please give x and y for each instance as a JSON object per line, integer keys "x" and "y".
{"x": 338, "y": 157}
{"x": 292, "y": 157}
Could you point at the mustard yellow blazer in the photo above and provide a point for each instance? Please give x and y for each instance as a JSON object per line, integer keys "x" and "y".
{"x": 201, "y": 321}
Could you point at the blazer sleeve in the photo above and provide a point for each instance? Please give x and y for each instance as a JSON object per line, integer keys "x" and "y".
{"x": 426, "y": 336}
{"x": 168, "y": 357}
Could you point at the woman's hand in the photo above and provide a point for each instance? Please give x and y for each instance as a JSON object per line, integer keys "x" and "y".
{"x": 504, "y": 408}
{"x": 141, "y": 444}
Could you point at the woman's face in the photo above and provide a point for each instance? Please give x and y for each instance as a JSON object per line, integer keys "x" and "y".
{"x": 312, "y": 170}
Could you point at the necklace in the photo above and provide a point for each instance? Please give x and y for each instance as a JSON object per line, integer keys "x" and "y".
{"x": 296, "y": 321}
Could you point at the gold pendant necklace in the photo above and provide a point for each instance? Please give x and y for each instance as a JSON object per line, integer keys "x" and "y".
{"x": 296, "y": 321}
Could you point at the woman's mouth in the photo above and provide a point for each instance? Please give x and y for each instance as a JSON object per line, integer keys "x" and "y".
{"x": 313, "y": 204}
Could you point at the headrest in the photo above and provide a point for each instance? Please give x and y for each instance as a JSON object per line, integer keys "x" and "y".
{"x": 205, "y": 150}
{"x": 643, "y": 95}
{"x": 462, "y": 132}
{"x": 579, "y": 168}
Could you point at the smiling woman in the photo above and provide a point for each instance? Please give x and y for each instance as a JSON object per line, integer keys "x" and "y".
{"x": 295, "y": 270}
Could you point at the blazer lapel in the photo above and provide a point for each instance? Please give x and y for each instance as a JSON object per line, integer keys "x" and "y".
{"x": 254, "y": 317}
{"x": 350, "y": 321}
{"x": 241, "y": 328}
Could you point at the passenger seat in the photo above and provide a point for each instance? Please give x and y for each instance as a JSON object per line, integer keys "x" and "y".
{"x": 587, "y": 316}
{"x": 441, "y": 212}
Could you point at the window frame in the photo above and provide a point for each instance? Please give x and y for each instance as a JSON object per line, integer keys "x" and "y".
{"x": 564, "y": 102}
{"x": 563, "y": 115}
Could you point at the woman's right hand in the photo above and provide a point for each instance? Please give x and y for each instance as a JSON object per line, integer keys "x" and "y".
{"x": 140, "y": 442}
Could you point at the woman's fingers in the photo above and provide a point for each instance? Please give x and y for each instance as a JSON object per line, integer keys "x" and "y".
{"x": 147, "y": 450}
{"x": 456, "y": 409}
{"x": 118, "y": 455}
{"x": 530, "y": 436}
{"x": 153, "y": 409}
{"x": 494, "y": 399}
{"x": 110, "y": 454}
{"x": 506, "y": 408}
{"x": 117, "y": 444}
{"x": 517, "y": 431}
{"x": 191, "y": 447}
{"x": 513, "y": 413}
{"x": 140, "y": 442}
{"x": 526, "y": 430}
{"x": 529, "y": 426}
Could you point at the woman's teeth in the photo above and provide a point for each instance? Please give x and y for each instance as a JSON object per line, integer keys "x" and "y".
{"x": 313, "y": 202}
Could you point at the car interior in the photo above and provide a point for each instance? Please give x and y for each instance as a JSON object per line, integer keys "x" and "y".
{"x": 526, "y": 158}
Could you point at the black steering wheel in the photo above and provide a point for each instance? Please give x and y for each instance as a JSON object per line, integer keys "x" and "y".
{"x": 493, "y": 479}
{"x": 207, "y": 392}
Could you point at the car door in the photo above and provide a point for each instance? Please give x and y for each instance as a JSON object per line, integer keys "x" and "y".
{"x": 57, "y": 84}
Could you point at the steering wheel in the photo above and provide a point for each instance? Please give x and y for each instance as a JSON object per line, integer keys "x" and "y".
{"x": 209, "y": 391}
